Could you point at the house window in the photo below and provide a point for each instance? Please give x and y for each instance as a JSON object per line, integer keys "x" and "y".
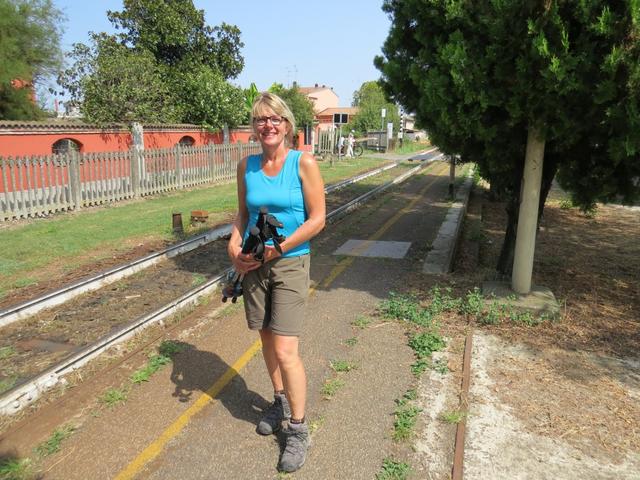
{"x": 65, "y": 145}
{"x": 187, "y": 141}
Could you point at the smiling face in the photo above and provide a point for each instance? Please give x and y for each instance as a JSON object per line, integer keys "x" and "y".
{"x": 269, "y": 106}
{"x": 268, "y": 133}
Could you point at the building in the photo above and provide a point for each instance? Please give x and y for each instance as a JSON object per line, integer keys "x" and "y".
{"x": 323, "y": 97}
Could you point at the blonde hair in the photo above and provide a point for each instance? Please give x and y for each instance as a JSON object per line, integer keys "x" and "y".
{"x": 273, "y": 102}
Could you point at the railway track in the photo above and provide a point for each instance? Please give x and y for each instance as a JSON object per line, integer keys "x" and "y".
{"x": 64, "y": 331}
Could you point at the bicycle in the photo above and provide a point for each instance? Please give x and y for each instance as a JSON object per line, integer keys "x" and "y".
{"x": 358, "y": 150}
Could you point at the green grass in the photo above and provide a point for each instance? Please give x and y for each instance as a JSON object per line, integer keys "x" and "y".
{"x": 331, "y": 387}
{"x": 166, "y": 351}
{"x": 7, "y": 351}
{"x": 52, "y": 444}
{"x": 342, "y": 366}
{"x": 393, "y": 470}
{"x": 7, "y": 383}
{"x": 406, "y": 417}
{"x": 16, "y": 469}
{"x": 351, "y": 342}
{"x": 72, "y": 238}
{"x": 409, "y": 146}
{"x": 362, "y": 321}
{"x": 113, "y": 397}
{"x": 425, "y": 343}
{"x": 453, "y": 417}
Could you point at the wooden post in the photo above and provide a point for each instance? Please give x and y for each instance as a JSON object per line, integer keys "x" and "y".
{"x": 176, "y": 223}
{"x": 73, "y": 164}
{"x": 134, "y": 174}
{"x": 178, "y": 153}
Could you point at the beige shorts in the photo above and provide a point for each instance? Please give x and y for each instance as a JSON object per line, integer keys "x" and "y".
{"x": 275, "y": 295}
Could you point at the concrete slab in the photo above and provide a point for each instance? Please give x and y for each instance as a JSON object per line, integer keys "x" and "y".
{"x": 378, "y": 249}
{"x": 539, "y": 300}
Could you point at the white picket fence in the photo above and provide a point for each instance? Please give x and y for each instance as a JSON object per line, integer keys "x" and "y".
{"x": 43, "y": 184}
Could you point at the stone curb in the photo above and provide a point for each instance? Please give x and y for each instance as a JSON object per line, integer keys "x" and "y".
{"x": 440, "y": 259}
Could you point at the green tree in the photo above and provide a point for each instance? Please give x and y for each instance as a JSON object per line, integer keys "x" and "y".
{"x": 29, "y": 52}
{"x": 175, "y": 32}
{"x": 298, "y": 103}
{"x": 166, "y": 65}
{"x": 482, "y": 76}
{"x": 370, "y": 99}
{"x": 212, "y": 101}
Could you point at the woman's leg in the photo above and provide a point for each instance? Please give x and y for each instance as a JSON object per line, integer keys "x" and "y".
{"x": 270, "y": 359}
{"x": 291, "y": 371}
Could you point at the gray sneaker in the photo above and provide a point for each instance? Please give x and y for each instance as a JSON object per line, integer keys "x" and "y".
{"x": 297, "y": 442}
{"x": 273, "y": 416}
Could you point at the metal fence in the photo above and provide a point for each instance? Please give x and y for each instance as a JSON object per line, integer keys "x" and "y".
{"x": 43, "y": 184}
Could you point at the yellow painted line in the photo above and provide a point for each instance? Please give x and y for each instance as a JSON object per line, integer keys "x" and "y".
{"x": 342, "y": 265}
{"x": 154, "y": 449}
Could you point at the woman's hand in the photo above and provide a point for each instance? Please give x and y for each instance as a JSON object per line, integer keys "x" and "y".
{"x": 270, "y": 253}
{"x": 243, "y": 262}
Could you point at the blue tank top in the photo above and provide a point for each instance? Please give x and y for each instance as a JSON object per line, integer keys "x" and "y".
{"x": 281, "y": 194}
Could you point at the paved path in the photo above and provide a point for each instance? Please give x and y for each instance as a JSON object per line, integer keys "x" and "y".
{"x": 197, "y": 419}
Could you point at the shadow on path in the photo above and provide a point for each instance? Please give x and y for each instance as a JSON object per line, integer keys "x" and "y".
{"x": 197, "y": 370}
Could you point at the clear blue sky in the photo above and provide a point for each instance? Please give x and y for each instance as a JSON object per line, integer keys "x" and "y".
{"x": 330, "y": 42}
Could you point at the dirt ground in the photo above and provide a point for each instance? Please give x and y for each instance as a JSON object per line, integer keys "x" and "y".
{"x": 559, "y": 399}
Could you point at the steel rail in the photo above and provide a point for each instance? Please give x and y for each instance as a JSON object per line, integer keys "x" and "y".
{"x": 56, "y": 297}
{"x": 19, "y": 397}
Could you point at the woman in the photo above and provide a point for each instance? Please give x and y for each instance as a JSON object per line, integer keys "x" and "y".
{"x": 289, "y": 184}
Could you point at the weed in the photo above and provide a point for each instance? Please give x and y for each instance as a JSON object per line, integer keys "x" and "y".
{"x": 472, "y": 303}
{"x": 405, "y": 421}
{"x": 405, "y": 307}
{"x": 441, "y": 367}
{"x": 392, "y": 470}
{"x": 351, "y": 341}
{"x": 113, "y": 396}
{"x": 169, "y": 348}
{"x": 425, "y": 343}
{"x": 590, "y": 211}
{"x": 342, "y": 366}
{"x": 566, "y": 204}
{"x": 331, "y": 387}
{"x": 197, "y": 279}
{"x": 442, "y": 301}
{"x": 52, "y": 445}
{"x": 361, "y": 321}
{"x": 16, "y": 469}
{"x": 7, "y": 383}
{"x": 453, "y": 417}
{"x": 493, "y": 314}
{"x": 420, "y": 366}
{"x": 6, "y": 352}
{"x": 316, "y": 424}
{"x": 153, "y": 365}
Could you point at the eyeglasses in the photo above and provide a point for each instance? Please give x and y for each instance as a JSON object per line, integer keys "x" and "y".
{"x": 262, "y": 121}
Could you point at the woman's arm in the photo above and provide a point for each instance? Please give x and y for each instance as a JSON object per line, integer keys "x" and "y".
{"x": 313, "y": 193}
{"x": 242, "y": 263}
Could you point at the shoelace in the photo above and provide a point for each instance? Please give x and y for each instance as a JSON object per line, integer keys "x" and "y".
{"x": 296, "y": 442}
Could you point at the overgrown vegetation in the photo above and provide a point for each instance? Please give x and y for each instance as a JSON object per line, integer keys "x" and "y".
{"x": 393, "y": 470}
{"x": 16, "y": 469}
{"x": 52, "y": 444}
{"x": 405, "y": 416}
